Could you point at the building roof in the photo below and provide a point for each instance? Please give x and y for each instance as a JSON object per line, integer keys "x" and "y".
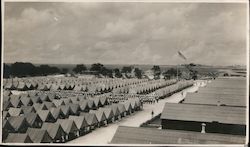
{"x": 204, "y": 113}
{"x": 214, "y": 98}
{"x": 140, "y": 135}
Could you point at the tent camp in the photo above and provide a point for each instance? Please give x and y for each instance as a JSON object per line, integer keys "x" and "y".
{"x": 28, "y": 109}
{"x": 38, "y": 106}
{"x": 35, "y": 99}
{"x": 104, "y": 101}
{"x": 101, "y": 117}
{"x": 18, "y": 138}
{"x": 21, "y": 86}
{"x": 5, "y": 114}
{"x": 65, "y": 109}
{"x": 39, "y": 135}
{"x": 49, "y": 104}
{"x": 91, "y": 119}
{"x": 15, "y": 111}
{"x": 16, "y": 102}
{"x": 97, "y": 101}
{"x": 26, "y": 101}
{"x": 84, "y": 105}
{"x": 55, "y": 131}
{"x": 121, "y": 108}
{"x": 58, "y": 102}
{"x": 43, "y": 87}
{"x": 6, "y": 128}
{"x": 81, "y": 124}
{"x": 56, "y": 113}
{"x": 33, "y": 120}
{"x": 109, "y": 114}
{"x": 74, "y": 108}
{"x": 74, "y": 100}
{"x": 69, "y": 128}
{"x": 91, "y": 104}
{"x": 18, "y": 123}
{"x": 128, "y": 107}
{"x": 46, "y": 116}
{"x": 45, "y": 97}
{"x": 116, "y": 111}
{"x": 7, "y": 105}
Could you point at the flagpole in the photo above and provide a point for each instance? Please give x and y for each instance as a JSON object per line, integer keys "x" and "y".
{"x": 177, "y": 71}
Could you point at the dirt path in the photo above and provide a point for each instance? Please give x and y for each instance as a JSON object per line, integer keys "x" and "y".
{"x": 105, "y": 134}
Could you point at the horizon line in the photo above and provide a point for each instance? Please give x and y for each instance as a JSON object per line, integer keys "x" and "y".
{"x": 117, "y": 64}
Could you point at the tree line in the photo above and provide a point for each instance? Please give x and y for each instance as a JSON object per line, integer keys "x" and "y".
{"x": 23, "y": 69}
{"x": 26, "y": 69}
{"x": 100, "y": 69}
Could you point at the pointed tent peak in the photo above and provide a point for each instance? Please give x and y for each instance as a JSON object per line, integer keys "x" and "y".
{"x": 39, "y": 135}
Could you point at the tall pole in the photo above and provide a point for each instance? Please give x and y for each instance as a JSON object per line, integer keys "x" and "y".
{"x": 177, "y": 71}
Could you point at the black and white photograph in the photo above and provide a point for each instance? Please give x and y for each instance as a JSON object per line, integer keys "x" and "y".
{"x": 115, "y": 73}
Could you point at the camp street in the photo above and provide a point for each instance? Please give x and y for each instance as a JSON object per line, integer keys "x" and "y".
{"x": 104, "y": 135}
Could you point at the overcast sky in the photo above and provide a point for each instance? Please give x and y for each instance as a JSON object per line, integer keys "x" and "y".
{"x": 125, "y": 33}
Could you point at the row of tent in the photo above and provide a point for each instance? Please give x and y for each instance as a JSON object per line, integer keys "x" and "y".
{"x": 44, "y": 101}
{"x": 99, "y": 85}
{"x": 144, "y": 87}
{"x": 29, "y": 99}
{"x": 33, "y": 127}
{"x": 83, "y": 81}
{"x": 154, "y": 95}
{"x": 169, "y": 90}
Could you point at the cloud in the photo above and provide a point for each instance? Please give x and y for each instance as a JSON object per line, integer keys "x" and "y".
{"x": 116, "y": 29}
{"x": 119, "y": 33}
{"x": 56, "y": 47}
